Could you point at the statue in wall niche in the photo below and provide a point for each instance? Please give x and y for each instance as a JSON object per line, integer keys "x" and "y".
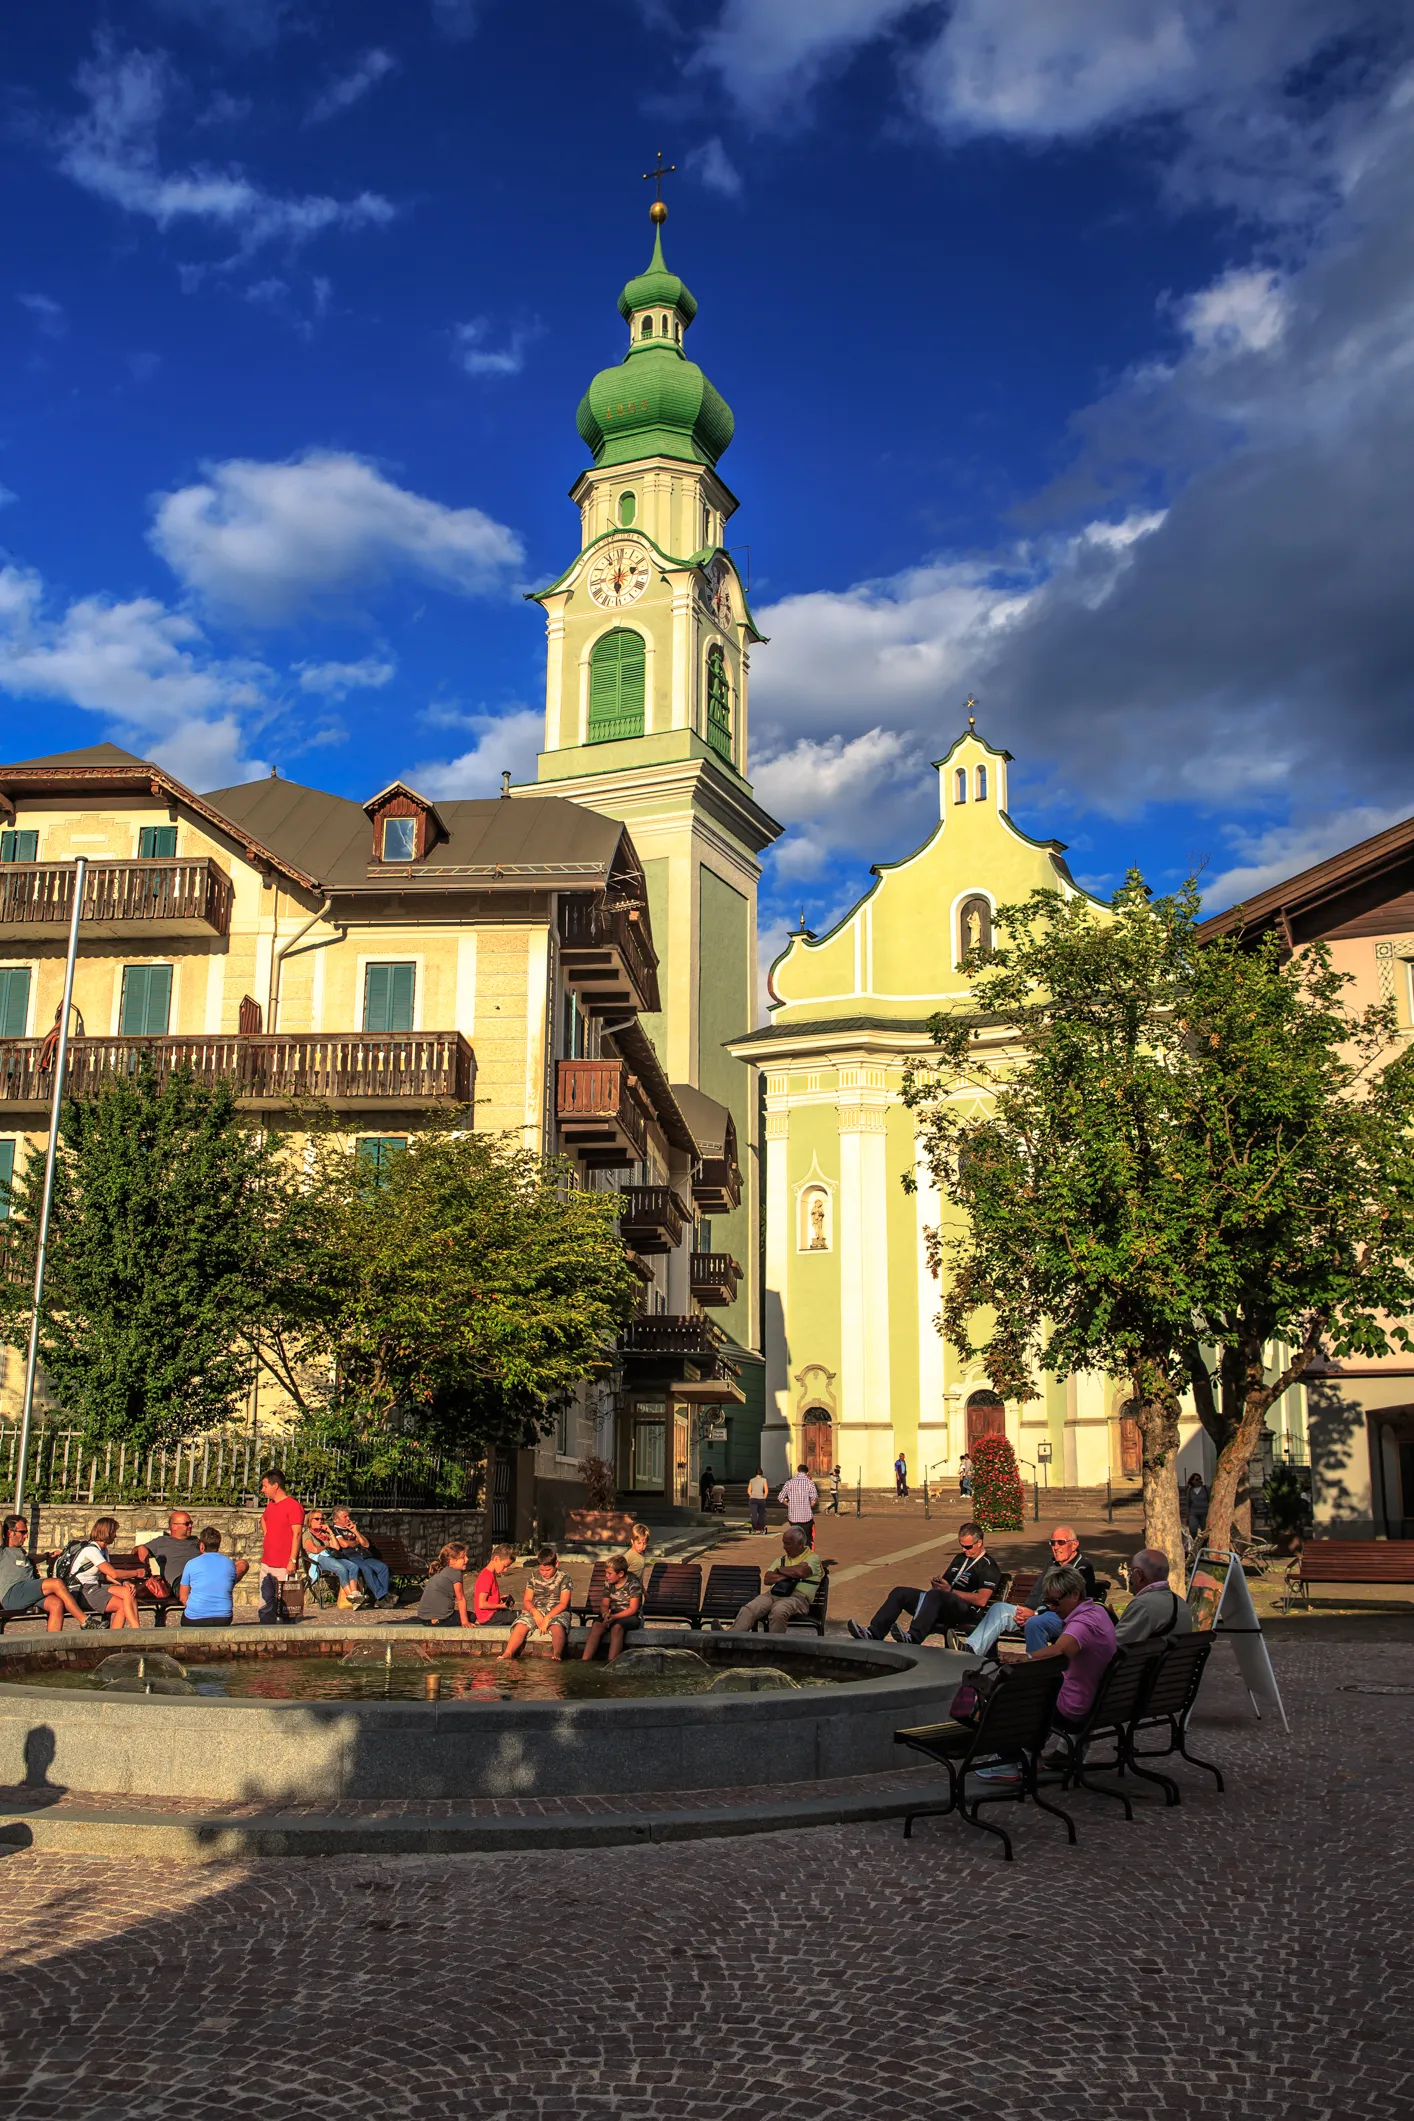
{"x": 817, "y": 1222}
{"x": 974, "y": 928}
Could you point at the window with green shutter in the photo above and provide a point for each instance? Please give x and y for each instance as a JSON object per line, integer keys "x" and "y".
{"x": 147, "y": 1001}
{"x": 617, "y": 670}
{"x": 388, "y": 997}
{"x": 7, "y": 1173}
{"x": 19, "y": 846}
{"x": 374, "y": 1154}
{"x": 719, "y": 703}
{"x": 156, "y": 843}
{"x": 14, "y": 1001}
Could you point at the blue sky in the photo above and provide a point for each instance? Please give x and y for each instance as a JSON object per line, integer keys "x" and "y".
{"x": 1070, "y": 345}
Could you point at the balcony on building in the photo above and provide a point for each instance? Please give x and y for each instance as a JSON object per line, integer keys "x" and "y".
{"x": 716, "y": 1184}
{"x": 601, "y": 1118}
{"x": 356, "y": 1071}
{"x": 606, "y": 955}
{"x": 715, "y": 1276}
{"x": 653, "y": 1218}
{"x": 681, "y": 1354}
{"x": 151, "y": 900}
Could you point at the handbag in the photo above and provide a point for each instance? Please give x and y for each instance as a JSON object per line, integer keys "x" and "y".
{"x": 974, "y": 1693}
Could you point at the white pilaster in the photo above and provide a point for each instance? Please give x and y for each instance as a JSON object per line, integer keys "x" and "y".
{"x": 866, "y": 1420}
{"x": 933, "y": 1440}
{"x": 775, "y": 1435}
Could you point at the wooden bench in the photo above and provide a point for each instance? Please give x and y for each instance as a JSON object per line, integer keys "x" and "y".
{"x": 674, "y": 1593}
{"x": 1348, "y": 1561}
{"x": 819, "y": 1607}
{"x": 728, "y": 1589}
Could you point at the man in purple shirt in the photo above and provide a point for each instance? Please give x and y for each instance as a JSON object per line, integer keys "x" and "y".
{"x": 1086, "y": 1642}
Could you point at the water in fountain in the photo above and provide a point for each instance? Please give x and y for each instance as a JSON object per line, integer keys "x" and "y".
{"x": 138, "y": 1664}
{"x": 386, "y": 1653}
{"x": 751, "y": 1679}
{"x": 660, "y": 1664}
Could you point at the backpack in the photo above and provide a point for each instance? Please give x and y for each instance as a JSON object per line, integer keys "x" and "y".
{"x": 64, "y": 1562}
{"x": 974, "y": 1692}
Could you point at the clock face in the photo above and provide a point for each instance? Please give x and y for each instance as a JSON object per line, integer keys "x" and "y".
{"x": 618, "y": 575}
{"x": 721, "y": 590}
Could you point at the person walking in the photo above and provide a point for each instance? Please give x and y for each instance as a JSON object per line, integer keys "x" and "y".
{"x": 705, "y": 1487}
{"x": 800, "y": 1496}
{"x": 901, "y": 1477}
{"x": 833, "y": 1505}
{"x": 281, "y": 1534}
{"x": 758, "y": 1489}
{"x": 1195, "y": 1501}
{"x": 964, "y": 1475}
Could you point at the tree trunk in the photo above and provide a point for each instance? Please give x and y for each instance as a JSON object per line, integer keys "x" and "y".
{"x": 1158, "y": 1428}
{"x": 1232, "y": 1469}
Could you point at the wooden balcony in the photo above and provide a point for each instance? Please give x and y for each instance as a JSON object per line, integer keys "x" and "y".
{"x": 600, "y": 1116}
{"x": 715, "y": 1276}
{"x": 606, "y": 956}
{"x": 684, "y": 1354}
{"x": 653, "y": 1218}
{"x": 716, "y": 1185}
{"x": 147, "y": 900}
{"x": 354, "y": 1070}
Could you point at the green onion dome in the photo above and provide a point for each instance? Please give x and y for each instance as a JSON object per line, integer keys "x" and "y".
{"x": 656, "y": 403}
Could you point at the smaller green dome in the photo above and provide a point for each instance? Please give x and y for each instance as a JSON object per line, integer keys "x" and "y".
{"x": 658, "y": 285}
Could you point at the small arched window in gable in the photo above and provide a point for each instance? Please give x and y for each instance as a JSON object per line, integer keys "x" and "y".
{"x": 981, "y": 784}
{"x": 628, "y": 509}
{"x": 645, "y": 329}
{"x": 677, "y": 330}
{"x": 974, "y": 925}
{"x": 617, "y": 674}
{"x": 959, "y": 785}
{"x": 663, "y": 327}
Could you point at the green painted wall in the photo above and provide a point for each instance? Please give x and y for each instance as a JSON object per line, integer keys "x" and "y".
{"x": 655, "y": 876}
{"x": 723, "y": 1006}
{"x": 902, "y": 1218}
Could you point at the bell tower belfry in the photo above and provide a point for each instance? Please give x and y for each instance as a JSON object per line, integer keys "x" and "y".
{"x": 648, "y": 645}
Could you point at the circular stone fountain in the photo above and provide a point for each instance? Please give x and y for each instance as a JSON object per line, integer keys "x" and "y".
{"x": 742, "y": 1723}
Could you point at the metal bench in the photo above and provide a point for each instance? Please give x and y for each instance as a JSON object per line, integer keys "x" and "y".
{"x": 728, "y": 1589}
{"x": 1348, "y": 1561}
{"x": 1014, "y": 1725}
{"x": 819, "y": 1605}
{"x": 1118, "y": 1704}
{"x": 1167, "y": 1706}
{"x": 674, "y": 1593}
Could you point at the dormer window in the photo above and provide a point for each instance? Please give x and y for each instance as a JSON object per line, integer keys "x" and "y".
{"x": 399, "y": 839}
{"x": 645, "y": 329}
{"x": 981, "y": 784}
{"x": 959, "y": 785}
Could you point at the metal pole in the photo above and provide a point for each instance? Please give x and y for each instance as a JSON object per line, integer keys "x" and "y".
{"x": 859, "y": 1493}
{"x": 61, "y": 1059}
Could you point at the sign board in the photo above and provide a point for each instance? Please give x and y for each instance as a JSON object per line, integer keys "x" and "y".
{"x": 1043, "y": 1453}
{"x": 651, "y": 1406}
{"x": 1220, "y": 1601}
{"x": 716, "y": 1436}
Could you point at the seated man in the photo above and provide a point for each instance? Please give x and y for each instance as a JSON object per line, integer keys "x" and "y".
{"x": 1040, "y": 1622}
{"x": 955, "y": 1600}
{"x": 1155, "y": 1608}
{"x": 618, "y": 1609}
{"x": 794, "y": 1580}
{"x": 207, "y": 1582}
{"x": 168, "y": 1556}
{"x": 352, "y": 1545}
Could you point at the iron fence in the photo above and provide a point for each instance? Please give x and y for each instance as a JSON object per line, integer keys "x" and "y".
{"x": 223, "y": 1468}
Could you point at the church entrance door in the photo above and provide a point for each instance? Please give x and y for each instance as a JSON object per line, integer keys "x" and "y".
{"x": 1131, "y": 1448}
{"x": 818, "y": 1441}
{"x": 986, "y": 1416}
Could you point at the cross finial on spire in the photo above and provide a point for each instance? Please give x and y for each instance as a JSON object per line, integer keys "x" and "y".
{"x": 971, "y": 717}
{"x": 658, "y": 211}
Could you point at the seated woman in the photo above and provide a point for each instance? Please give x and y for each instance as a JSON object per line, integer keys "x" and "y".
{"x": 350, "y": 1544}
{"x": 443, "y": 1601}
{"x": 23, "y": 1589}
{"x": 334, "y": 1552}
{"x": 545, "y": 1607}
{"x": 107, "y": 1592}
{"x": 618, "y": 1609}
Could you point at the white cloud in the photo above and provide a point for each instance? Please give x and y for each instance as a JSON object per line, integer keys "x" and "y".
{"x": 813, "y": 780}
{"x": 265, "y": 542}
{"x": 47, "y": 313}
{"x": 471, "y": 352}
{"x": 149, "y": 671}
{"x": 1243, "y": 312}
{"x": 456, "y": 19}
{"x": 349, "y": 88}
{"x": 714, "y": 169}
{"x": 1270, "y": 857}
{"x": 112, "y": 152}
{"x": 508, "y": 741}
{"x": 772, "y": 53}
{"x": 333, "y": 680}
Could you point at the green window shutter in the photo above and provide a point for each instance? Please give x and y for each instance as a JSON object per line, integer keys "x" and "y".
{"x": 374, "y": 1154}
{"x": 719, "y": 704}
{"x": 7, "y": 1173}
{"x": 156, "y": 843}
{"x": 19, "y": 846}
{"x": 147, "y": 1001}
{"x": 14, "y": 1001}
{"x": 617, "y": 673}
{"x": 388, "y": 992}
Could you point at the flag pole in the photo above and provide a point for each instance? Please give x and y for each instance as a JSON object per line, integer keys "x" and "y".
{"x": 61, "y": 1057}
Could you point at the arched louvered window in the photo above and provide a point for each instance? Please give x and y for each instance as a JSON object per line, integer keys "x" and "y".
{"x": 981, "y": 784}
{"x": 959, "y": 785}
{"x": 645, "y": 329}
{"x": 617, "y": 670}
{"x": 628, "y": 508}
{"x": 719, "y": 703}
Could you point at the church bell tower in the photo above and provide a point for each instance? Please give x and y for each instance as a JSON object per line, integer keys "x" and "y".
{"x": 649, "y": 637}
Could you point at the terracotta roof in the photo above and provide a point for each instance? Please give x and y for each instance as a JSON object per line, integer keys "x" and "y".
{"x": 1326, "y": 896}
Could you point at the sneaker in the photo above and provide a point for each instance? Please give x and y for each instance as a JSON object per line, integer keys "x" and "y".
{"x": 896, "y": 1633}
{"x": 859, "y": 1631}
{"x": 96, "y": 1620}
{"x": 1001, "y": 1773}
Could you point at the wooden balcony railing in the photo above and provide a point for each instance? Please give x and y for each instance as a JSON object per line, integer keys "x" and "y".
{"x": 605, "y": 950}
{"x": 600, "y": 1116}
{"x": 351, "y": 1068}
{"x": 653, "y": 1218}
{"x": 716, "y": 1185}
{"x": 668, "y": 1334}
{"x": 180, "y": 894}
{"x": 715, "y": 1276}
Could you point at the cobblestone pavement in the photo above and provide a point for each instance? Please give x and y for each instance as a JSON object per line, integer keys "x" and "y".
{"x": 1242, "y": 1956}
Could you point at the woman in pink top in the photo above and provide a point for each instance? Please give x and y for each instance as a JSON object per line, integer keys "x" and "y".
{"x": 1086, "y": 1642}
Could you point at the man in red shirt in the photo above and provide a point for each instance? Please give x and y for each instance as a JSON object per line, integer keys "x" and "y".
{"x": 281, "y": 1528}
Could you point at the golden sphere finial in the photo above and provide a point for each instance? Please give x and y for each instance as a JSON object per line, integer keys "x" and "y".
{"x": 658, "y": 211}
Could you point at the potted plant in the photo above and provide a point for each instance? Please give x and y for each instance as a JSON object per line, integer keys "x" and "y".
{"x": 598, "y": 1523}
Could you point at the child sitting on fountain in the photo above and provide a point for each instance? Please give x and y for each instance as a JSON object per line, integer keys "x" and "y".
{"x": 618, "y": 1609}
{"x": 443, "y": 1600}
{"x": 545, "y": 1607}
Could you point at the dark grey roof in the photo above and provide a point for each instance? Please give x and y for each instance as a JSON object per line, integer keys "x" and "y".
{"x": 535, "y": 842}
{"x": 92, "y": 755}
{"x": 708, "y": 1120}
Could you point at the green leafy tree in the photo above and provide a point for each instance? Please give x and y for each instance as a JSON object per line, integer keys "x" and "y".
{"x": 457, "y": 1293}
{"x": 163, "y": 1204}
{"x": 1160, "y": 1159}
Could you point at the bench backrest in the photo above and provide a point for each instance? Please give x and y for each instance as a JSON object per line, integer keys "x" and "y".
{"x": 1022, "y": 1584}
{"x": 820, "y": 1603}
{"x": 1122, "y": 1687}
{"x": 674, "y": 1592}
{"x": 1016, "y": 1717}
{"x": 729, "y": 1586}
{"x": 1358, "y": 1561}
{"x": 1180, "y": 1674}
{"x": 598, "y": 1577}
